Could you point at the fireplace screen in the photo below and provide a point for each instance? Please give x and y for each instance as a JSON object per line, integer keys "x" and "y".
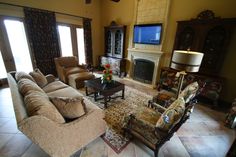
{"x": 143, "y": 70}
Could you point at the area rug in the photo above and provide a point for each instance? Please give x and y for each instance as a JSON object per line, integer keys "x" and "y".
{"x": 116, "y": 111}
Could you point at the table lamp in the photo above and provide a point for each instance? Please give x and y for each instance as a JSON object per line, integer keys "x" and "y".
{"x": 185, "y": 61}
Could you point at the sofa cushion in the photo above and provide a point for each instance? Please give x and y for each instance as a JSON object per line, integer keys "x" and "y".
{"x": 65, "y": 92}
{"x": 73, "y": 70}
{"x": 69, "y": 107}
{"x": 40, "y": 79}
{"x": 54, "y": 86}
{"x": 26, "y": 86}
{"x": 38, "y": 104}
{"x": 19, "y": 75}
{"x": 172, "y": 115}
{"x": 189, "y": 92}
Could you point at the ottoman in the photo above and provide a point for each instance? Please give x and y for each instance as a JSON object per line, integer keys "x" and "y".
{"x": 77, "y": 80}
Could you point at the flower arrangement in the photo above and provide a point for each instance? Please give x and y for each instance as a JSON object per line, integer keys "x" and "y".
{"x": 107, "y": 74}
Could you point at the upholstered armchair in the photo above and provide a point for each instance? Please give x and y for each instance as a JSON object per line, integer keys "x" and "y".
{"x": 154, "y": 124}
{"x": 66, "y": 66}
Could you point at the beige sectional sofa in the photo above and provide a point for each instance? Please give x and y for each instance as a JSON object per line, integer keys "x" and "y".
{"x": 57, "y": 138}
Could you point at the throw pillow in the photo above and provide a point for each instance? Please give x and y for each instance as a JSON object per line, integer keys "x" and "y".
{"x": 38, "y": 104}
{"x": 171, "y": 116}
{"x": 69, "y": 107}
{"x": 40, "y": 79}
{"x": 21, "y": 74}
{"x": 26, "y": 86}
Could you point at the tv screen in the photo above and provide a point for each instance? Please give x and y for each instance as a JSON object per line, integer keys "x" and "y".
{"x": 147, "y": 34}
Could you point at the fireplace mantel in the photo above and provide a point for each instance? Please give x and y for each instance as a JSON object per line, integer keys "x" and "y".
{"x": 152, "y": 55}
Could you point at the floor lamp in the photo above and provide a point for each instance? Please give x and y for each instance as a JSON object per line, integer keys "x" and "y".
{"x": 185, "y": 61}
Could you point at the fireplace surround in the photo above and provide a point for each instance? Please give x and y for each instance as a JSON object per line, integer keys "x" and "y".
{"x": 145, "y": 56}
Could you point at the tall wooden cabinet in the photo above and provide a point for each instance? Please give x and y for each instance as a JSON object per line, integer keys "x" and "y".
{"x": 114, "y": 48}
{"x": 115, "y": 40}
{"x": 207, "y": 34}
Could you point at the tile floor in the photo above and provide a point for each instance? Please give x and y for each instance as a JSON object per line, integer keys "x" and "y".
{"x": 203, "y": 135}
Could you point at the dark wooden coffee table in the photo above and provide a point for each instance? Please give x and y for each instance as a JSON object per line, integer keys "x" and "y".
{"x": 106, "y": 90}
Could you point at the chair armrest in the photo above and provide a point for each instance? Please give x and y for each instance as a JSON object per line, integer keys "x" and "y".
{"x": 87, "y": 67}
{"x": 156, "y": 106}
{"x": 61, "y": 73}
{"x": 50, "y": 78}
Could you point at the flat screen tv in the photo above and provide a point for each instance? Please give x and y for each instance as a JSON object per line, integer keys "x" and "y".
{"x": 147, "y": 34}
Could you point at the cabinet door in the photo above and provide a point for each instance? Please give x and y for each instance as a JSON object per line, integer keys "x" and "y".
{"x": 114, "y": 41}
{"x": 108, "y": 42}
{"x": 213, "y": 49}
{"x": 185, "y": 38}
{"x": 118, "y": 43}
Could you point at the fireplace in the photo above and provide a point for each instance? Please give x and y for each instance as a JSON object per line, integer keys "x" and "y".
{"x": 143, "y": 70}
{"x": 144, "y": 65}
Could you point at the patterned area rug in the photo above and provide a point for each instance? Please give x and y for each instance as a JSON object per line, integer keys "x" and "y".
{"x": 115, "y": 113}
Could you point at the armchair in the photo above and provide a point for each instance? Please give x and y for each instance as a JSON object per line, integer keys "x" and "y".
{"x": 66, "y": 66}
{"x": 154, "y": 124}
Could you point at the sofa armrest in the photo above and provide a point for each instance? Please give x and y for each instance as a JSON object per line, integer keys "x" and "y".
{"x": 62, "y": 140}
{"x": 50, "y": 78}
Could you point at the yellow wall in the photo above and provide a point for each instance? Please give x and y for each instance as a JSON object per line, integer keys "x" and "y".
{"x": 187, "y": 9}
{"x": 75, "y": 7}
{"x": 122, "y": 13}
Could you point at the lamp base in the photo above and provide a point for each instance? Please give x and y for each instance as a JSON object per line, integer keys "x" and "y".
{"x": 180, "y": 84}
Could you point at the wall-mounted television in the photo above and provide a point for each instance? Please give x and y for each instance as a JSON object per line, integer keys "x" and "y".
{"x": 147, "y": 34}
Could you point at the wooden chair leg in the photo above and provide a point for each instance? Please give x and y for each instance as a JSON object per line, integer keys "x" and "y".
{"x": 156, "y": 151}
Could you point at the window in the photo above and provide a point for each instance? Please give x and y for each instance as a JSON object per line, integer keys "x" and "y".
{"x": 19, "y": 45}
{"x": 65, "y": 40}
{"x": 72, "y": 41}
{"x": 80, "y": 43}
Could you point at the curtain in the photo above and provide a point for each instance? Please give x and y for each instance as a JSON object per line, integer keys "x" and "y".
{"x": 42, "y": 33}
{"x": 88, "y": 41}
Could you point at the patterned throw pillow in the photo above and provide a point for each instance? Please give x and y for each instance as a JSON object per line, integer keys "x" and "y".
{"x": 40, "y": 79}
{"x": 172, "y": 115}
{"x": 189, "y": 92}
{"x": 19, "y": 75}
{"x": 69, "y": 107}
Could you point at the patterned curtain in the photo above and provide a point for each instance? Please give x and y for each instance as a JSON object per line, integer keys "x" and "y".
{"x": 42, "y": 33}
{"x": 88, "y": 41}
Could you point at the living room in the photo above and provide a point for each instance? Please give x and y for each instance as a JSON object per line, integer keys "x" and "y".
{"x": 130, "y": 13}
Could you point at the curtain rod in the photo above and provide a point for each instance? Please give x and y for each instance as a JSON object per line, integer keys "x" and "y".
{"x": 22, "y": 6}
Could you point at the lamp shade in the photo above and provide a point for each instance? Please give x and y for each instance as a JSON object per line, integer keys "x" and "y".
{"x": 188, "y": 61}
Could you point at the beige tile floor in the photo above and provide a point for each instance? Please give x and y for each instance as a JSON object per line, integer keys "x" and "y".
{"x": 203, "y": 135}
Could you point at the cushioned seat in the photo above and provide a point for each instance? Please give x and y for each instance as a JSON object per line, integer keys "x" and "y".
{"x": 66, "y": 66}
{"x": 77, "y": 80}
{"x": 54, "y": 86}
{"x": 73, "y": 70}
